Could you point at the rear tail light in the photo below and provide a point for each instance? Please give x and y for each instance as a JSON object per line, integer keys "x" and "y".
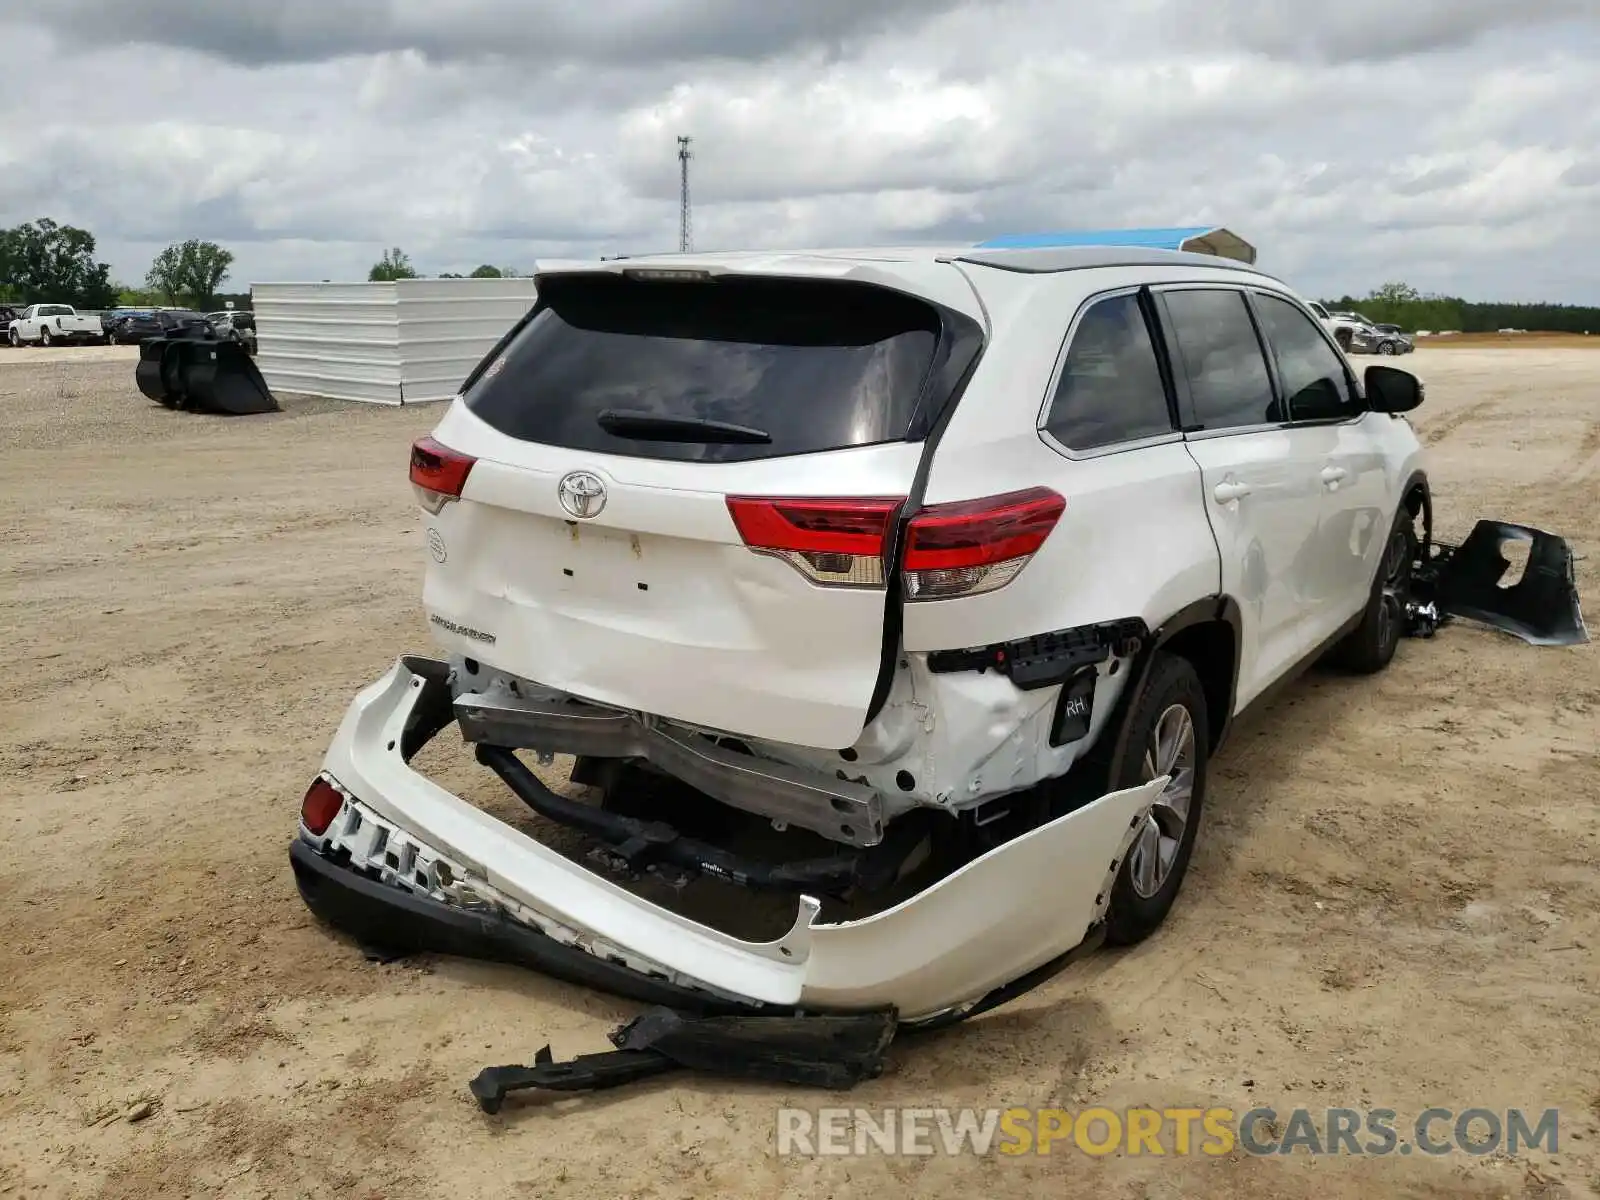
{"x": 976, "y": 546}
{"x": 321, "y": 805}
{"x": 834, "y": 543}
{"x": 951, "y": 550}
{"x": 438, "y": 473}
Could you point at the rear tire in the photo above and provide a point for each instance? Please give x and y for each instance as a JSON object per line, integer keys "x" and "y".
{"x": 1371, "y": 646}
{"x": 45, "y": 339}
{"x": 1169, "y": 732}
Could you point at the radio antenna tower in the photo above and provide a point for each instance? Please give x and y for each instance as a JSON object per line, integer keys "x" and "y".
{"x": 685, "y": 228}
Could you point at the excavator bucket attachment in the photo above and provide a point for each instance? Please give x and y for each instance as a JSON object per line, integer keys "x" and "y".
{"x": 154, "y": 380}
{"x": 202, "y": 374}
{"x": 223, "y": 378}
{"x": 1541, "y": 607}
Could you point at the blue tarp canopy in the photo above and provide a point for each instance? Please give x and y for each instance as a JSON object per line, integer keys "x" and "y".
{"x": 1198, "y": 239}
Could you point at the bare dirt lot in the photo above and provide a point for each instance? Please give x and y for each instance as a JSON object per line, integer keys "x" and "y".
{"x": 1395, "y": 901}
{"x": 1511, "y": 341}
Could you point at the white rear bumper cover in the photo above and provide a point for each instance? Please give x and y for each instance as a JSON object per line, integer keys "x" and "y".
{"x": 997, "y": 918}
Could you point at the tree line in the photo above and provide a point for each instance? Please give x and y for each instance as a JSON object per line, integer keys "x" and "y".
{"x": 43, "y": 261}
{"x": 46, "y": 262}
{"x": 1403, "y": 305}
{"x": 396, "y": 264}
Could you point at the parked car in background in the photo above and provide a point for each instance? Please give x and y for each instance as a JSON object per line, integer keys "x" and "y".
{"x": 1342, "y": 326}
{"x": 50, "y": 324}
{"x": 8, "y": 314}
{"x": 136, "y": 326}
{"x": 235, "y": 325}
{"x": 111, "y": 320}
{"x": 1390, "y": 339}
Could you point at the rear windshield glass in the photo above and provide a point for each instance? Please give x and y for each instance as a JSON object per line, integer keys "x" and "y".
{"x": 813, "y": 365}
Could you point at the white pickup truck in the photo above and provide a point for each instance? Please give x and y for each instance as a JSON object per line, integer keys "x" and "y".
{"x": 48, "y": 324}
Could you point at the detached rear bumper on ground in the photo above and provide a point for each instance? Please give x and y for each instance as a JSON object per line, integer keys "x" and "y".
{"x": 407, "y": 865}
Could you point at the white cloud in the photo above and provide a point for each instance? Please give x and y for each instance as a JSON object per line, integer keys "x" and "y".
{"x": 1447, "y": 142}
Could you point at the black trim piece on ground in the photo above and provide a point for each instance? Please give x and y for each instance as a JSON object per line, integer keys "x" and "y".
{"x": 828, "y": 1050}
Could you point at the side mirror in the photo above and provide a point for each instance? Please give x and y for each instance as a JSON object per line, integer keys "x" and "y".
{"x": 1391, "y": 390}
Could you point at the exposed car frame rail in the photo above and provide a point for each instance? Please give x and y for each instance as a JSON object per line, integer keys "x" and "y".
{"x": 841, "y": 811}
{"x": 641, "y": 843}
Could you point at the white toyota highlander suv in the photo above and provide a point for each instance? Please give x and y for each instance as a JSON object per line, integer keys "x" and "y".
{"x": 957, "y": 562}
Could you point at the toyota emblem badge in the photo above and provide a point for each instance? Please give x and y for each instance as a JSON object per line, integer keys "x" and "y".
{"x": 582, "y": 493}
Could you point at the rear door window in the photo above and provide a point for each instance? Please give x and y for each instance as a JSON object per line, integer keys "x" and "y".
{"x": 812, "y": 365}
{"x": 1313, "y": 377}
{"x": 1110, "y": 389}
{"x": 1221, "y": 358}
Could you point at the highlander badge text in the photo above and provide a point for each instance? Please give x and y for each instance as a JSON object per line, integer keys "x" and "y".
{"x": 465, "y": 631}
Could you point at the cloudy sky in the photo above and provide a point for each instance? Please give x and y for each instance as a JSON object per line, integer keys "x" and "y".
{"x": 1453, "y": 144}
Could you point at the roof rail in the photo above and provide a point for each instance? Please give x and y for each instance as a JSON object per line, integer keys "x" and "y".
{"x": 1197, "y": 239}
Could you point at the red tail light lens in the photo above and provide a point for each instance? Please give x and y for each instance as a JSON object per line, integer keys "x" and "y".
{"x": 976, "y": 546}
{"x": 321, "y": 805}
{"x": 834, "y": 543}
{"x": 438, "y": 473}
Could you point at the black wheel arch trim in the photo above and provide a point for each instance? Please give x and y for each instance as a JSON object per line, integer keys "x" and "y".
{"x": 1418, "y": 480}
{"x": 1210, "y": 610}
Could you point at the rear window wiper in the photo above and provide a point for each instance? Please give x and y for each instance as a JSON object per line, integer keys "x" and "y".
{"x": 655, "y": 427}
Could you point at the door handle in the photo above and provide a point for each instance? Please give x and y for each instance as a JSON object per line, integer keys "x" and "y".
{"x": 1229, "y": 491}
{"x": 1333, "y": 476}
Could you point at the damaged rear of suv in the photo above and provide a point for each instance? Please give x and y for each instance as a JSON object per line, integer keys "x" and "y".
{"x": 950, "y": 566}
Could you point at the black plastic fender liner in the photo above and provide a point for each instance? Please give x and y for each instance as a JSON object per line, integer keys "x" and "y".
{"x": 1541, "y": 608}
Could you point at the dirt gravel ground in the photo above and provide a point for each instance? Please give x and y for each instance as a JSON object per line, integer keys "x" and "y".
{"x": 1394, "y": 904}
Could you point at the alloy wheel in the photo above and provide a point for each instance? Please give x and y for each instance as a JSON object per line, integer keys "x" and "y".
{"x": 1171, "y": 752}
